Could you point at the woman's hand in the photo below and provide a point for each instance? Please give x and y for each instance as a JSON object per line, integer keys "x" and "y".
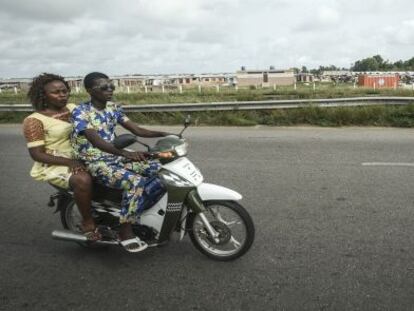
{"x": 136, "y": 156}
{"x": 76, "y": 167}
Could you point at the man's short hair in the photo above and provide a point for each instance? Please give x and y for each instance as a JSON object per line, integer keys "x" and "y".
{"x": 90, "y": 78}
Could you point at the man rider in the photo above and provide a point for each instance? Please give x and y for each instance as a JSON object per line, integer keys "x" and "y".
{"x": 94, "y": 124}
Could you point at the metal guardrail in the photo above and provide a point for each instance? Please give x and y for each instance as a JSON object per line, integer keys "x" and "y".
{"x": 250, "y": 105}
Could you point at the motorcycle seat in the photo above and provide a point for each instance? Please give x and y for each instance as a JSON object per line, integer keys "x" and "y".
{"x": 100, "y": 192}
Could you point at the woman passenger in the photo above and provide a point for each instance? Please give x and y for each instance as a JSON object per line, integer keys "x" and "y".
{"x": 47, "y": 132}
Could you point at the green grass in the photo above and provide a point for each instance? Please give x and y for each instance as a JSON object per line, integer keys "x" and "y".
{"x": 393, "y": 116}
{"x": 389, "y": 116}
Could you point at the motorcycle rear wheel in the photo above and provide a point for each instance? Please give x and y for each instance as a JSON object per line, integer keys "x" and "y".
{"x": 70, "y": 217}
{"x": 235, "y": 228}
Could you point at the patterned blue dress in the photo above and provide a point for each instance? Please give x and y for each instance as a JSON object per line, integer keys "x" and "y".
{"x": 108, "y": 169}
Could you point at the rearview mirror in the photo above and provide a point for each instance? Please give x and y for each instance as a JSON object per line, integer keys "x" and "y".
{"x": 187, "y": 121}
{"x": 124, "y": 140}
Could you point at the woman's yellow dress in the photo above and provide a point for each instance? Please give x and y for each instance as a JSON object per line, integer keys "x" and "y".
{"x": 56, "y": 142}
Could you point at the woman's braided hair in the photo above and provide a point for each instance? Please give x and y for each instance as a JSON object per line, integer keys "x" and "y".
{"x": 36, "y": 93}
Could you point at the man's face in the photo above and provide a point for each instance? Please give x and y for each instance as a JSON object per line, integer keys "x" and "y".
{"x": 102, "y": 90}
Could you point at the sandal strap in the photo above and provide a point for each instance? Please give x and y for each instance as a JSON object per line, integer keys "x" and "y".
{"x": 130, "y": 242}
{"x": 93, "y": 235}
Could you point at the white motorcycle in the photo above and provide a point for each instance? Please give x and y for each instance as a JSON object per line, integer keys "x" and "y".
{"x": 177, "y": 201}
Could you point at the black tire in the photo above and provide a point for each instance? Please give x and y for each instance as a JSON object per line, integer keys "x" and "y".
{"x": 65, "y": 210}
{"x": 237, "y": 209}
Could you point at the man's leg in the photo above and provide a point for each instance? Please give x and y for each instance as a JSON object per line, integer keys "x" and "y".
{"x": 146, "y": 169}
{"x": 114, "y": 175}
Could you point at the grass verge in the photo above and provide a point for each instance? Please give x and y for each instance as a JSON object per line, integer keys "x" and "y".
{"x": 389, "y": 116}
{"x": 392, "y": 116}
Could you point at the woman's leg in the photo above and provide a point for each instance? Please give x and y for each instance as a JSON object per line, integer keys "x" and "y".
{"x": 81, "y": 183}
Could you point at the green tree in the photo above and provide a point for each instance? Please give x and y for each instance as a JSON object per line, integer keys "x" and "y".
{"x": 374, "y": 63}
{"x": 409, "y": 64}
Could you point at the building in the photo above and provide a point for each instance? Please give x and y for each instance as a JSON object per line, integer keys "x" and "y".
{"x": 189, "y": 80}
{"x": 265, "y": 77}
{"x": 129, "y": 81}
{"x": 381, "y": 80}
{"x": 18, "y": 83}
{"x": 336, "y": 76}
{"x": 75, "y": 83}
{"x": 212, "y": 79}
{"x": 305, "y": 77}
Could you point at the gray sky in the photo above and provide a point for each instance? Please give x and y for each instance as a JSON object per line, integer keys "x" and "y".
{"x": 195, "y": 36}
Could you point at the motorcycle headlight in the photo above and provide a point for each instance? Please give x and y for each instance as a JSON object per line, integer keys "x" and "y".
{"x": 181, "y": 150}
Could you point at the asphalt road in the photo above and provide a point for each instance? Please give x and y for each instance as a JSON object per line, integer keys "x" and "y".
{"x": 331, "y": 233}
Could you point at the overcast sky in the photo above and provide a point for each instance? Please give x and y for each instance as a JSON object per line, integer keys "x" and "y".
{"x": 198, "y": 36}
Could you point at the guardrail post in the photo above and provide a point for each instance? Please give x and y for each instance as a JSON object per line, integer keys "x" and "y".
{"x": 180, "y": 88}
{"x": 314, "y": 86}
{"x": 146, "y": 89}
{"x": 218, "y": 88}
{"x": 294, "y": 86}
{"x": 237, "y": 87}
{"x": 199, "y": 88}
{"x": 15, "y": 90}
{"x": 162, "y": 88}
{"x": 274, "y": 86}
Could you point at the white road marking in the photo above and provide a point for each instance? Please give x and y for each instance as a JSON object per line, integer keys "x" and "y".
{"x": 387, "y": 164}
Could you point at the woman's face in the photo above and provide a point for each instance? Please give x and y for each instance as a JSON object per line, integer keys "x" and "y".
{"x": 56, "y": 94}
{"x": 102, "y": 90}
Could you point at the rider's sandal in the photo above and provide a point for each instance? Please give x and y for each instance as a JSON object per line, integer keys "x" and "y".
{"x": 92, "y": 235}
{"x": 133, "y": 245}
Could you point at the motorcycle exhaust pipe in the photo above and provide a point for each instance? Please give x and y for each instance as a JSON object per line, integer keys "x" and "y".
{"x": 66, "y": 235}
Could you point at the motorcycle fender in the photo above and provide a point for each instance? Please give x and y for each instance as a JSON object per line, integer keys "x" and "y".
{"x": 208, "y": 192}
{"x": 62, "y": 201}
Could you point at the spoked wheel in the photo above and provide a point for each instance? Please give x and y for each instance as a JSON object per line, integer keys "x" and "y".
{"x": 235, "y": 228}
{"x": 70, "y": 217}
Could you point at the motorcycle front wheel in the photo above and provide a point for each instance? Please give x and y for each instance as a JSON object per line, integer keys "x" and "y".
{"x": 231, "y": 221}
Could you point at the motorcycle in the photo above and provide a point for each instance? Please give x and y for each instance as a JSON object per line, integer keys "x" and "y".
{"x": 177, "y": 202}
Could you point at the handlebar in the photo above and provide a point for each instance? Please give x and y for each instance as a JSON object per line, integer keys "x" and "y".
{"x": 159, "y": 155}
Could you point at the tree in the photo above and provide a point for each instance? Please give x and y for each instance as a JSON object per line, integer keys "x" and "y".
{"x": 398, "y": 65}
{"x": 374, "y": 63}
{"x": 409, "y": 64}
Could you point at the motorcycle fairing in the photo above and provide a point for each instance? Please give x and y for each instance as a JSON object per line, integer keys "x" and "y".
{"x": 208, "y": 192}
